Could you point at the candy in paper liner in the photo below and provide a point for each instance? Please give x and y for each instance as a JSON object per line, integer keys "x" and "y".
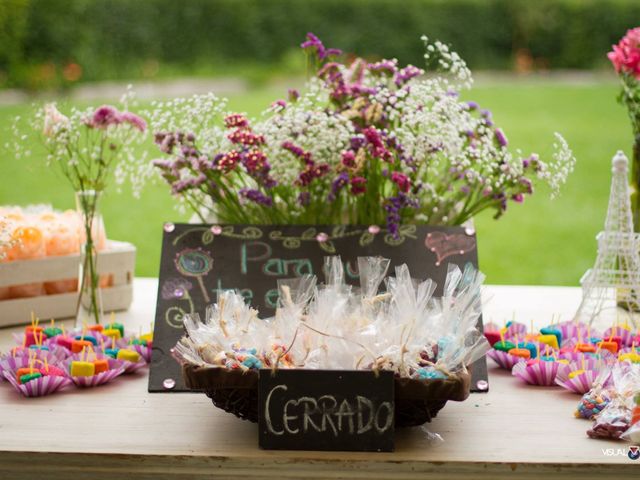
{"x": 143, "y": 351}
{"x": 38, "y": 387}
{"x": 128, "y": 367}
{"x": 504, "y": 359}
{"x": 626, "y": 336}
{"x": 581, "y": 383}
{"x": 537, "y": 373}
{"x": 115, "y": 369}
{"x": 515, "y": 329}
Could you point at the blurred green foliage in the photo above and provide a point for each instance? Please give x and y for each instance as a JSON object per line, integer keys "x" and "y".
{"x": 54, "y": 43}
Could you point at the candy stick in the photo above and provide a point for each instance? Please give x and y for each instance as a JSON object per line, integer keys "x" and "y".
{"x": 538, "y": 350}
{"x": 532, "y": 326}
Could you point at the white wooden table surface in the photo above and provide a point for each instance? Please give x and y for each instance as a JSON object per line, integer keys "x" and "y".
{"x": 119, "y": 429}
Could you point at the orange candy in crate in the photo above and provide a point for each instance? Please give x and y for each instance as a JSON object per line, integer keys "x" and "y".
{"x": 39, "y": 232}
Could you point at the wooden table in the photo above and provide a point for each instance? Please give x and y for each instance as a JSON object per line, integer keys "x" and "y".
{"x": 119, "y": 429}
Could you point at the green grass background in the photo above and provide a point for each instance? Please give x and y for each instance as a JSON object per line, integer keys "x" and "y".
{"x": 542, "y": 241}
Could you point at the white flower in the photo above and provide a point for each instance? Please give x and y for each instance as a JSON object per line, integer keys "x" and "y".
{"x": 54, "y": 121}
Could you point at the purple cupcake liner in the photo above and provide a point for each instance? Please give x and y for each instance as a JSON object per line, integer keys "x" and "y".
{"x": 580, "y": 383}
{"x": 504, "y": 359}
{"x": 115, "y": 369}
{"x": 39, "y": 387}
{"x": 626, "y": 337}
{"x": 538, "y": 373}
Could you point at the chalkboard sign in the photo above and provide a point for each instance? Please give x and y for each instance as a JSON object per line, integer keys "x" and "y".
{"x": 198, "y": 261}
{"x": 326, "y": 410}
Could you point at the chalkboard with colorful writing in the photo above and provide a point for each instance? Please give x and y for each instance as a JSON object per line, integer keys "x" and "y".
{"x": 198, "y": 261}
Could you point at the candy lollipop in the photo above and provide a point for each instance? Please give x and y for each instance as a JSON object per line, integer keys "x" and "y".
{"x": 195, "y": 262}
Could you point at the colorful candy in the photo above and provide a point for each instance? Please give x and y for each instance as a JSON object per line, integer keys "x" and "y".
{"x": 115, "y": 326}
{"x": 552, "y": 331}
{"x": 128, "y": 355}
{"x": 504, "y": 345}
{"x": 28, "y": 377}
{"x": 112, "y": 332}
{"x": 551, "y": 340}
{"x": 78, "y": 345}
{"x": 610, "y": 345}
{"x": 520, "y": 352}
{"x": 82, "y": 369}
{"x": 101, "y": 365}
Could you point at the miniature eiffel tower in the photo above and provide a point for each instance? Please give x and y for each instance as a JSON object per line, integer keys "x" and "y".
{"x": 615, "y": 278}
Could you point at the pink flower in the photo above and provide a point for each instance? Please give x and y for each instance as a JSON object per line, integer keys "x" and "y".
{"x": 104, "y": 116}
{"x": 236, "y": 120}
{"x": 403, "y": 182}
{"x": 358, "y": 185}
{"x": 134, "y": 120}
{"x": 53, "y": 120}
{"x": 626, "y": 54}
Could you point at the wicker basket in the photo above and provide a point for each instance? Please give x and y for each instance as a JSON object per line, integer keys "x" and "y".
{"x": 416, "y": 401}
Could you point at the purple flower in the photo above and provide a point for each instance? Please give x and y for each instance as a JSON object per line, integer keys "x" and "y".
{"x": 501, "y": 138}
{"x": 304, "y": 198}
{"x": 293, "y": 95}
{"x": 393, "y": 207}
{"x": 473, "y": 106}
{"x": 387, "y": 67}
{"x": 175, "y": 288}
{"x": 406, "y": 74}
{"x": 256, "y": 196}
{"x": 313, "y": 44}
{"x": 518, "y": 197}
{"x": 338, "y": 184}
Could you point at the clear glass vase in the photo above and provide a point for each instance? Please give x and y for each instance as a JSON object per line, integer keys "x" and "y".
{"x": 89, "y": 306}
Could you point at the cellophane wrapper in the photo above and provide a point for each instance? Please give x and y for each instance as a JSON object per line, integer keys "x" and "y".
{"x": 614, "y": 420}
{"x": 337, "y": 326}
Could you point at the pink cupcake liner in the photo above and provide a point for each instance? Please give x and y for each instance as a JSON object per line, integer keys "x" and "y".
{"x": 516, "y": 329}
{"x": 115, "y": 369}
{"x": 145, "y": 352}
{"x": 504, "y": 359}
{"x": 629, "y": 350}
{"x": 129, "y": 367}
{"x": 40, "y": 386}
{"x": 580, "y": 383}
{"x": 538, "y": 373}
{"x": 576, "y": 330}
{"x": 587, "y": 364}
{"x": 626, "y": 337}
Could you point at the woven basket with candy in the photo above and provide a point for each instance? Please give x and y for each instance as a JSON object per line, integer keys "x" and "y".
{"x": 427, "y": 342}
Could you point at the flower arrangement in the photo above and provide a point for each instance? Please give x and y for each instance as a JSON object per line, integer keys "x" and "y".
{"x": 364, "y": 143}
{"x": 88, "y": 147}
{"x": 625, "y": 58}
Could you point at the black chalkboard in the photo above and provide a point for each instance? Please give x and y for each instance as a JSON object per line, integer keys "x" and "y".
{"x": 326, "y": 410}
{"x": 197, "y": 261}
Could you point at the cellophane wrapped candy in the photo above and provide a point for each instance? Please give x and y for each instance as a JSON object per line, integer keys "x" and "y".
{"x": 615, "y": 419}
{"x": 404, "y": 328}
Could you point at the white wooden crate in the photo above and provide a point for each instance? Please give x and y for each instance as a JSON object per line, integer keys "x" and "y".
{"x": 118, "y": 260}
